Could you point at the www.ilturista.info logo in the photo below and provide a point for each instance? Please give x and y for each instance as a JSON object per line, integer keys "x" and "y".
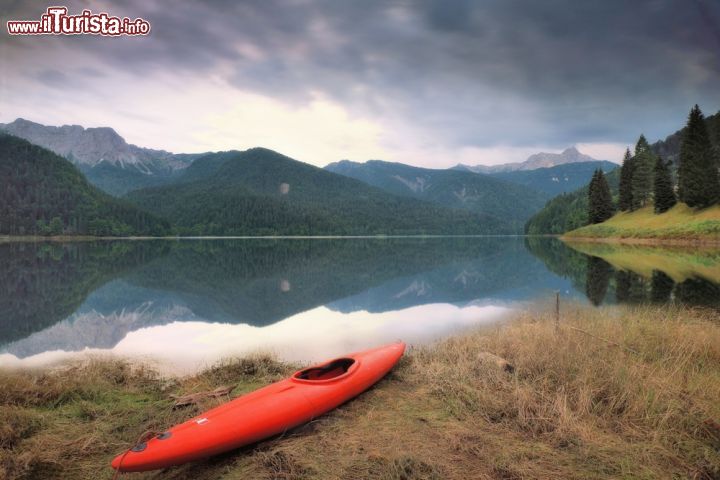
{"x": 56, "y": 21}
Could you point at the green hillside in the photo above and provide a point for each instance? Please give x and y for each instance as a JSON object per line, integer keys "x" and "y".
{"x": 45, "y": 194}
{"x": 458, "y": 189}
{"x": 117, "y": 180}
{"x": 569, "y": 211}
{"x": 558, "y": 179}
{"x": 680, "y": 222}
{"x": 261, "y": 192}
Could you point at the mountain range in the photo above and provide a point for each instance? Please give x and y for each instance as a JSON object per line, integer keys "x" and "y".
{"x": 105, "y": 158}
{"x": 558, "y": 179}
{"x": 448, "y": 188}
{"x": 259, "y": 191}
{"x": 535, "y": 161}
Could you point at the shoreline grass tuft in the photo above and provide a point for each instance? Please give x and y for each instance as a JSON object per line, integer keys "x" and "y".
{"x": 575, "y": 406}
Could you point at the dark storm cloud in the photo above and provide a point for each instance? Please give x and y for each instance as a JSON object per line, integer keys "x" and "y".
{"x": 474, "y": 73}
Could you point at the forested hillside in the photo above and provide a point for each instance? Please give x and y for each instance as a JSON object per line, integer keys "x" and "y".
{"x": 44, "y": 194}
{"x": 261, "y": 192}
{"x": 567, "y": 211}
{"x": 558, "y": 179}
{"x": 462, "y": 189}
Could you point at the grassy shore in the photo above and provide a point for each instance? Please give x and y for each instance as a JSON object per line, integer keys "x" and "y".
{"x": 680, "y": 224}
{"x": 635, "y": 395}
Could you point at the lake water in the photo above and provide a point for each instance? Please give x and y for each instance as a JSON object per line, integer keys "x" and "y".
{"x": 188, "y": 303}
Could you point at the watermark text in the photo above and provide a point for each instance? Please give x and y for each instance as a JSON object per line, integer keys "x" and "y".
{"x": 56, "y": 21}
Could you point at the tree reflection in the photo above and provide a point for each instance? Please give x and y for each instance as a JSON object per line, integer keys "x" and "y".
{"x": 698, "y": 291}
{"x": 662, "y": 287}
{"x": 598, "y": 279}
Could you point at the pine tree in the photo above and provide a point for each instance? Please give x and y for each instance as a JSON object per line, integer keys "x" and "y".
{"x": 626, "y": 174}
{"x": 714, "y": 127}
{"x": 607, "y": 209}
{"x": 663, "y": 187}
{"x": 600, "y": 206}
{"x": 698, "y": 182}
{"x": 642, "y": 177}
{"x": 592, "y": 198}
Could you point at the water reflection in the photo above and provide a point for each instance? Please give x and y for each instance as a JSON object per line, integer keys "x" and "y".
{"x": 184, "y": 346}
{"x": 190, "y": 302}
{"x": 651, "y": 274}
{"x": 597, "y": 279}
{"x": 102, "y": 295}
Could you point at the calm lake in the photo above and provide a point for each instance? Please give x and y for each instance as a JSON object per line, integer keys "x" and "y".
{"x": 188, "y": 303}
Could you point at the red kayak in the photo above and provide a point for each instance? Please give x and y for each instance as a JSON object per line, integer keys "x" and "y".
{"x": 263, "y": 413}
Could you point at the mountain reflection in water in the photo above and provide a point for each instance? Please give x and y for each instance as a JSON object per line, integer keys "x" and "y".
{"x": 191, "y": 302}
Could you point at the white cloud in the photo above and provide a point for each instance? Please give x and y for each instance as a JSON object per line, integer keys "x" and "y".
{"x": 319, "y": 132}
{"x": 613, "y": 152}
{"x": 190, "y": 114}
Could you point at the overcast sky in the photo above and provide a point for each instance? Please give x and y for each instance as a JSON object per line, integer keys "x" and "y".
{"x": 429, "y": 83}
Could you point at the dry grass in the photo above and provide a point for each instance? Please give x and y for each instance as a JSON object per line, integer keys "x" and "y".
{"x": 575, "y": 407}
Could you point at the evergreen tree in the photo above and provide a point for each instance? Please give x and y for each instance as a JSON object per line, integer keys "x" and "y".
{"x": 642, "y": 177}
{"x": 607, "y": 208}
{"x": 626, "y": 174}
{"x": 600, "y": 206}
{"x": 592, "y": 198}
{"x": 663, "y": 188}
{"x": 698, "y": 182}
{"x": 714, "y": 127}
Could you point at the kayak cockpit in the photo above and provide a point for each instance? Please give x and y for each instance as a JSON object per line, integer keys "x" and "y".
{"x": 328, "y": 371}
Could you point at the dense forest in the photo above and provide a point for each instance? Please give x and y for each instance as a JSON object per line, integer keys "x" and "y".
{"x": 261, "y": 192}
{"x": 460, "y": 189}
{"x": 44, "y": 194}
{"x": 570, "y": 211}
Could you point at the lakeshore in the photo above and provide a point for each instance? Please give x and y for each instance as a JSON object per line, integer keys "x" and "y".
{"x": 612, "y": 393}
{"x": 680, "y": 225}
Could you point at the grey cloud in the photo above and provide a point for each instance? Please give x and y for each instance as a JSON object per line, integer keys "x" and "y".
{"x": 52, "y": 78}
{"x": 516, "y": 72}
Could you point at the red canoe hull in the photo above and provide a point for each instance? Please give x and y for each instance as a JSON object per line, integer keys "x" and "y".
{"x": 265, "y": 412}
